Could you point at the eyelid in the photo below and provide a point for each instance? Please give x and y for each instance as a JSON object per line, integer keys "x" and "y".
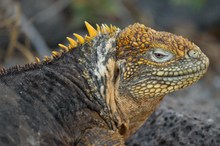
{"x": 167, "y": 55}
{"x": 161, "y": 51}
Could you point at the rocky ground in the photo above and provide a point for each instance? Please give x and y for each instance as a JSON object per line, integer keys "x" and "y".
{"x": 167, "y": 127}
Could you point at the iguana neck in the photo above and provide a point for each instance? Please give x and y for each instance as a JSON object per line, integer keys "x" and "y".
{"x": 98, "y": 61}
{"x": 135, "y": 111}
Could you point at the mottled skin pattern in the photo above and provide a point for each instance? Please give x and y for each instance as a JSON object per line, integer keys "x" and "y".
{"x": 99, "y": 90}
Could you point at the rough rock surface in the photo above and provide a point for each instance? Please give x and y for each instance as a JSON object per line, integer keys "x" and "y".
{"x": 169, "y": 128}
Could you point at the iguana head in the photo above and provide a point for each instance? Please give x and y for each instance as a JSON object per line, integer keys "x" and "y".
{"x": 157, "y": 63}
{"x": 152, "y": 64}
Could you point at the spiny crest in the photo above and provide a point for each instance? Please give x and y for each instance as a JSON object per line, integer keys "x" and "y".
{"x": 37, "y": 60}
{"x": 3, "y": 71}
{"x": 103, "y": 29}
{"x": 17, "y": 68}
{"x": 136, "y": 39}
{"x": 72, "y": 42}
{"x": 91, "y": 30}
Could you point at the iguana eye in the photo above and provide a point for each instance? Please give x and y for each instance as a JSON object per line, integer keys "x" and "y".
{"x": 160, "y": 55}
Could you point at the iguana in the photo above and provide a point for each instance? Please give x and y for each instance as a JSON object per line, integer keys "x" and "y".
{"x": 98, "y": 90}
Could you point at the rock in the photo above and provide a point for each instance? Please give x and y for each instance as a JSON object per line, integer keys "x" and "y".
{"x": 167, "y": 127}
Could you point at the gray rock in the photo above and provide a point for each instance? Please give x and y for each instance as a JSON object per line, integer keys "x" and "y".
{"x": 167, "y": 127}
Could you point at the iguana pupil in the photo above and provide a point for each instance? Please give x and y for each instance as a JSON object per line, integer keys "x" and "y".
{"x": 159, "y": 55}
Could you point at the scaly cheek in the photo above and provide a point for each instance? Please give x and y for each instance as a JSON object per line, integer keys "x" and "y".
{"x": 154, "y": 88}
{"x": 130, "y": 71}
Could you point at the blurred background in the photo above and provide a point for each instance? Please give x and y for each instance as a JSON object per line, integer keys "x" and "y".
{"x": 30, "y": 28}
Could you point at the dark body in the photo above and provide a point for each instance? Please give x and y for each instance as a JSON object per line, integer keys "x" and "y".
{"x": 47, "y": 104}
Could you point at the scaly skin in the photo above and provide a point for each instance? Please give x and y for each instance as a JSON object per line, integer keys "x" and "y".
{"x": 99, "y": 90}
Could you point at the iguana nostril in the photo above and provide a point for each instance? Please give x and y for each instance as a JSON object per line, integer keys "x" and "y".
{"x": 193, "y": 53}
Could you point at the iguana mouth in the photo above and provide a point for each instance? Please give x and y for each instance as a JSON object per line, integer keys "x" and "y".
{"x": 182, "y": 74}
{"x": 180, "y": 80}
{"x": 162, "y": 85}
{"x": 191, "y": 76}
